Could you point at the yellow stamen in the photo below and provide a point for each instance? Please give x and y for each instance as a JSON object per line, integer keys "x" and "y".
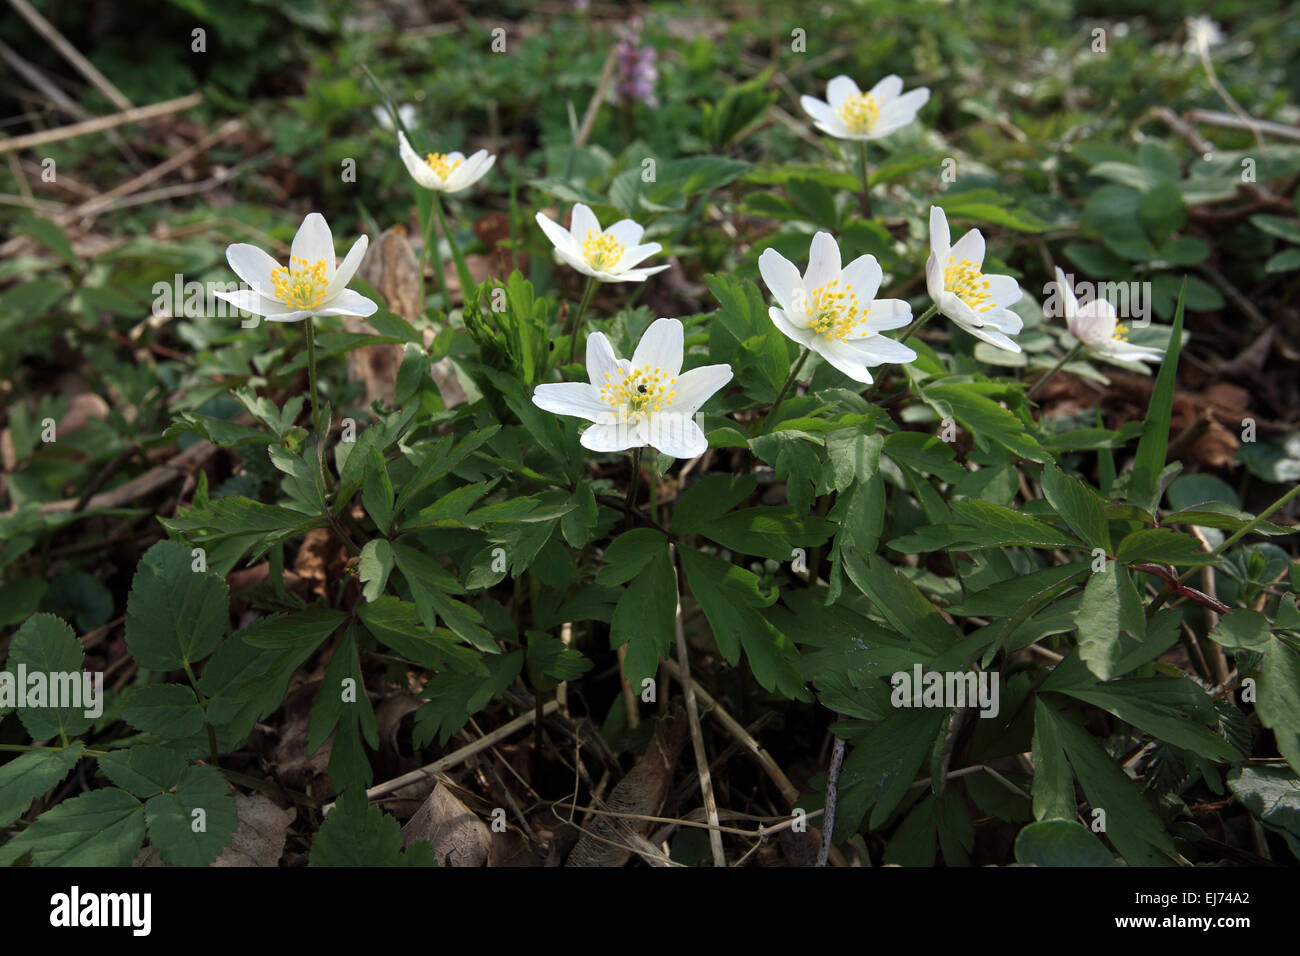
{"x": 1121, "y": 333}
{"x": 639, "y": 393}
{"x": 859, "y": 112}
{"x": 968, "y": 283}
{"x": 601, "y": 250}
{"x": 302, "y": 284}
{"x": 835, "y": 311}
{"x": 442, "y": 164}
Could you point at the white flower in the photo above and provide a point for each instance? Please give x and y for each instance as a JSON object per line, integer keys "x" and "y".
{"x": 852, "y": 114}
{"x": 445, "y": 173}
{"x": 1096, "y": 325}
{"x": 1202, "y": 33}
{"x": 647, "y": 401}
{"x": 834, "y": 311}
{"x": 406, "y": 113}
{"x": 975, "y": 301}
{"x": 310, "y": 285}
{"x": 609, "y": 255}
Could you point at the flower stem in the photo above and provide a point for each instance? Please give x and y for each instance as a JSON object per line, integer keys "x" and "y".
{"x": 431, "y": 247}
{"x": 587, "y": 294}
{"x": 467, "y": 285}
{"x": 1055, "y": 368}
{"x": 629, "y": 506}
{"x": 912, "y": 329}
{"x": 311, "y": 373}
{"x": 790, "y": 380}
{"x": 866, "y": 188}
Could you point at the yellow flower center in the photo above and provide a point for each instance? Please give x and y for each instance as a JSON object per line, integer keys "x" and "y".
{"x": 859, "y": 112}
{"x": 1121, "y": 333}
{"x": 968, "y": 283}
{"x": 442, "y": 164}
{"x": 834, "y": 311}
{"x": 302, "y": 284}
{"x": 639, "y": 393}
{"x": 601, "y": 250}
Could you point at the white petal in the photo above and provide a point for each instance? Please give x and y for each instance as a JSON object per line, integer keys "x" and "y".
{"x": 581, "y": 222}
{"x": 610, "y": 437}
{"x": 840, "y": 89}
{"x": 253, "y": 266}
{"x": 627, "y": 231}
{"x": 879, "y": 350}
{"x": 314, "y": 242}
{"x": 634, "y": 275}
{"x": 348, "y": 267}
{"x": 1069, "y": 303}
{"x": 864, "y": 276}
{"x": 994, "y": 337}
{"x": 934, "y": 275}
{"x": 695, "y": 387}
{"x": 601, "y": 360}
{"x": 558, "y": 235}
{"x": 248, "y": 300}
{"x": 886, "y": 314}
{"x": 843, "y": 359}
{"x": 940, "y": 238}
{"x": 781, "y": 276}
{"x": 348, "y": 302}
{"x": 1004, "y": 289}
{"x": 904, "y": 109}
{"x": 969, "y": 246}
{"x": 417, "y": 167}
{"x": 818, "y": 109}
{"x": 887, "y": 88}
{"x": 823, "y": 262}
{"x": 675, "y": 435}
{"x": 572, "y": 398}
{"x": 635, "y": 255}
{"x": 661, "y": 347}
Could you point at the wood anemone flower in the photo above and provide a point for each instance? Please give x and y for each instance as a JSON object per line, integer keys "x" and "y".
{"x": 975, "y": 301}
{"x": 606, "y": 255}
{"x": 311, "y": 284}
{"x": 646, "y": 401}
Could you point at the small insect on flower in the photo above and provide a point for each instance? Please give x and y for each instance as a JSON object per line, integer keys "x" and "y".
{"x": 848, "y": 113}
{"x": 646, "y": 401}
{"x": 607, "y": 255}
{"x": 444, "y": 173}
{"x": 834, "y": 311}
{"x": 311, "y": 284}
{"x": 975, "y": 300}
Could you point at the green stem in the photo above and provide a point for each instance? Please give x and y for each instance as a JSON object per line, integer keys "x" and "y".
{"x": 462, "y": 270}
{"x": 311, "y": 373}
{"x": 912, "y": 329}
{"x": 1067, "y": 357}
{"x": 790, "y": 379}
{"x": 866, "y": 186}
{"x": 203, "y": 702}
{"x": 430, "y": 248}
{"x": 587, "y": 295}
{"x": 629, "y": 505}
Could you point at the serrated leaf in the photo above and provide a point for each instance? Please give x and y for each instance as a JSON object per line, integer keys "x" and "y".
{"x": 29, "y": 775}
{"x": 100, "y": 828}
{"x": 47, "y": 650}
{"x": 193, "y": 824}
{"x": 169, "y": 710}
{"x": 143, "y": 770}
{"x": 174, "y": 614}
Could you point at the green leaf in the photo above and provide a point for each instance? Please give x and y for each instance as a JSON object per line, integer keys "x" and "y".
{"x": 1110, "y": 605}
{"x": 48, "y": 651}
{"x": 1154, "y": 444}
{"x": 397, "y": 624}
{"x": 1006, "y": 527}
{"x": 1053, "y": 786}
{"x": 174, "y": 614}
{"x": 169, "y": 710}
{"x": 1272, "y": 795}
{"x": 884, "y": 762}
{"x": 1278, "y": 703}
{"x": 29, "y": 775}
{"x": 550, "y": 662}
{"x": 644, "y": 617}
{"x": 373, "y": 568}
{"x": 731, "y": 598}
{"x": 985, "y": 419}
{"x": 1080, "y": 506}
{"x": 191, "y": 825}
{"x": 902, "y": 604}
{"x": 1243, "y": 629}
{"x": 770, "y": 532}
{"x": 1162, "y": 211}
{"x": 377, "y": 491}
{"x": 144, "y": 770}
{"x": 301, "y": 631}
{"x": 1131, "y": 826}
{"x": 709, "y": 499}
{"x": 453, "y": 698}
{"x": 100, "y": 828}
{"x": 1162, "y": 546}
{"x": 1060, "y": 843}
{"x": 356, "y": 833}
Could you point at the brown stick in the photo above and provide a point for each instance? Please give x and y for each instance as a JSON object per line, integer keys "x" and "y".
{"x": 100, "y": 123}
{"x": 69, "y": 52}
